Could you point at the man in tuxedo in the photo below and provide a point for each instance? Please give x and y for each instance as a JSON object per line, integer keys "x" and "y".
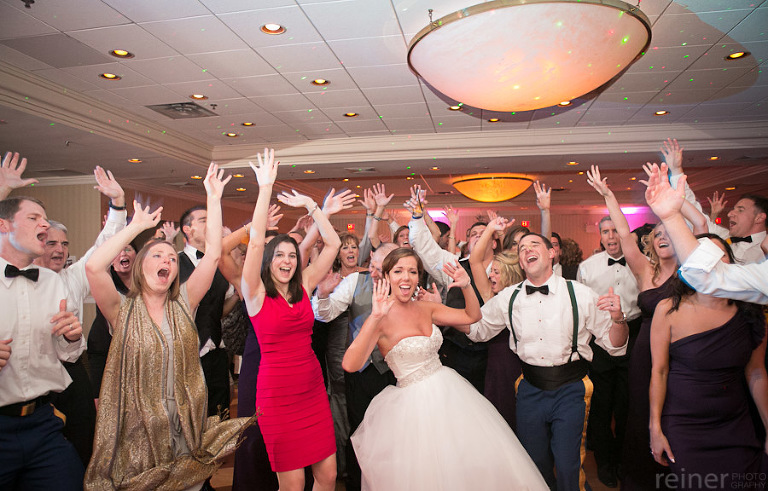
{"x": 610, "y": 374}
{"x": 213, "y": 356}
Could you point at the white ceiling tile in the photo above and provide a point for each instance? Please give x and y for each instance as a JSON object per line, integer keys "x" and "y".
{"x": 342, "y": 99}
{"x": 232, "y": 64}
{"x": 460, "y": 121}
{"x": 226, "y": 6}
{"x": 674, "y": 58}
{"x": 247, "y": 25}
{"x": 264, "y": 85}
{"x": 302, "y": 117}
{"x": 90, "y": 74}
{"x": 168, "y": 70}
{"x": 705, "y": 79}
{"x": 17, "y": 23}
{"x": 700, "y": 6}
{"x": 239, "y": 106}
{"x": 636, "y": 98}
{"x": 68, "y": 80}
{"x": 369, "y": 51}
{"x": 15, "y": 58}
{"x": 129, "y": 37}
{"x": 566, "y": 117}
{"x": 152, "y": 10}
{"x": 364, "y": 113}
{"x": 414, "y": 110}
{"x": 607, "y": 113}
{"x": 715, "y": 56}
{"x": 355, "y": 126}
{"x": 401, "y": 124}
{"x": 57, "y": 50}
{"x": 383, "y": 76}
{"x": 643, "y": 82}
{"x": 647, "y": 116}
{"x": 683, "y": 96}
{"x": 213, "y": 89}
{"x": 86, "y": 14}
{"x": 737, "y": 95}
{"x": 150, "y": 95}
{"x": 757, "y": 76}
{"x": 195, "y": 35}
{"x": 300, "y": 57}
{"x": 339, "y": 80}
{"x": 313, "y": 131}
{"x": 394, "y": 95}
{"x": 753, "y": 28}
{"x": 279, "y": 133}
{"x": 414, "y": 15}
{"x": 694, "y": 29}
{"x": 349, "y": 19}
{"x": 719, "y": 109}
{"x": 287, "y": 102}
{"x": 109, "y": 97}
{"x": 655, "y": 7}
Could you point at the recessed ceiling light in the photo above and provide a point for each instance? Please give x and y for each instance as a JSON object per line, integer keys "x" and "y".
{"x": 730, "y": 188}
{"x": 247, "y": 123}
{"x": 346, "y": 179}
{"x": 320, "y": 81}
{"x": 134, "y": 161}
{"x": 240, "y": 189}
{"x": 351, "y": 115}
{"x": 121, "y": 53}
{"x": 271, "y": 28}
{"x": 110, "y": 76}
{"x": 198, "y": 97}
{"x": 661, "y": 113}
{"x": 457, "y": 107}
{"x": 737, "y": 55}
{"x": 714, "y": 158}
{"x": 633, "y": 179}
{"x": 570, "y": 180}
{"x": 493, "y": 120}
{"x": 197, "y": 177}
{"x": 309, "y": 171}
{"x": 565, "y": 103}
{"x": 581, "y": 173}
{"x": 238, "y": 175}
{"x": 572, "y": 162}
{"x": 409, "y": 178}
{"x": 358, "y": 186}
{"x": 231, "y": 135}
{"x": 435, "y": 168}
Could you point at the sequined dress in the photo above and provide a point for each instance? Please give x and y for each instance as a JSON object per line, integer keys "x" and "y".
{"x": 434, "y": 431}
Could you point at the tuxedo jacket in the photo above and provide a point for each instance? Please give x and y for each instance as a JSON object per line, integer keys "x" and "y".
{"x": 208, "y": 317}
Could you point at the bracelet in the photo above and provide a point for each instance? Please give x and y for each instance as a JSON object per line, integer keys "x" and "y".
{"x": 378, "y": 219}
{"x": 452, "y": 237}
{"x": 369, "y": 214}
{"x": 417, "y": 216}
{"x": 313, "y": 210}
{"x": 115, "y": 207}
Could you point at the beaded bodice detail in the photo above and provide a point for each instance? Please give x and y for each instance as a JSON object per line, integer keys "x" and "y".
{"x": 415, "y": 358}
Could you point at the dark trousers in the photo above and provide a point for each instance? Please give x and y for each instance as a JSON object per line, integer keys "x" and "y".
{"x": 361, "y": 388}
{"x": 551, "y": 426}
{"x": 470, "y": 364}
{"x": 216, "y": 370}
{"x": 34, "y": 455}
{"x": 76, "y": 403}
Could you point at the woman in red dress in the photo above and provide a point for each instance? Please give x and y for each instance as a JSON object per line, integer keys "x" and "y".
{"x": 294, "y": 413}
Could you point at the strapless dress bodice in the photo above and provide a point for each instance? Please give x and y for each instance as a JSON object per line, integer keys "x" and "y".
{"x": 414, "y": 358}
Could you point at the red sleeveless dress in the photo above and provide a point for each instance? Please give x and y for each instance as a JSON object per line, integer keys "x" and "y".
{"x": 295, "y": 416}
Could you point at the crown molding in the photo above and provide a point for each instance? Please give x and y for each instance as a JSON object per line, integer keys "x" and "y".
{"x": 30, "y": 93}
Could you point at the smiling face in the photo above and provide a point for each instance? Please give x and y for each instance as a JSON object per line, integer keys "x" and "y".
{"x": 610, "y": 238}
{"x": 535, "y": 258}
{"x": 348, "y": 254}
{"x": 284, "y": 262}
{"x": 401, "y": 239}
{"x": 661, "y": 243}
{"x": 26, "y": 231}
{"x": 56, "y": 250}
{"x": 404, "y": 278}
{"x": 745, "y": 219}
{"x": 159, "y": 268}
{"x": 495, "y": 277}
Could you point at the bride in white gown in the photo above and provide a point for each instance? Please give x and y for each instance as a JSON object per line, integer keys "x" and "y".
{"x": 433, "y": 431}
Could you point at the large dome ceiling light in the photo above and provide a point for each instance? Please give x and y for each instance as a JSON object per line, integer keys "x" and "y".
{"x": 521, "y": 55}
{"x": 492, "y": 188}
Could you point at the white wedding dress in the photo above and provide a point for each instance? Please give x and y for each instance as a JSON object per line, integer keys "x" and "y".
{"x": 434, "y": 431}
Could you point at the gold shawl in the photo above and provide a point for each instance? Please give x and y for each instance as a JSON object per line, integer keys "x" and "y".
{"x": 132, "y": 447}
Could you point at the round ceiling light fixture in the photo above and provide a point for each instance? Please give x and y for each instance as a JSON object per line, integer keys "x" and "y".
{"x": 521, "y": 55}
{"x": 492, "y": 188}
{"x": 272, "y": 28}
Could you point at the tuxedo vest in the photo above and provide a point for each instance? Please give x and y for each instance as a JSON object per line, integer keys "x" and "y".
{"x": 359, "y": 310}
{"x": 455, "y": 299}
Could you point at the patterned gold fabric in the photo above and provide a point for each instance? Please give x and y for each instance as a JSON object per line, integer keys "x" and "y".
{"x": 132, "y": 448}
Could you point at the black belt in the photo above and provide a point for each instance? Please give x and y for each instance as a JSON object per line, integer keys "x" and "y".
{"x": 25, "y": 408}
{"x": 551, "y": 378}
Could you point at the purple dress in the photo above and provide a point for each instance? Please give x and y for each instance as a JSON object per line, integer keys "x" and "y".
{"x": 640, "y": 470}
{"x": 706, "y": 415}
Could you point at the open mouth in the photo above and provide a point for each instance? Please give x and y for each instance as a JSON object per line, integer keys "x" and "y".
{"x": 531, "y": 259}
{"x": 42, "y": 236}
{"x": 125, "y": 263}
{"x": 164, "y": 273}
{"x": 663, "y": 245}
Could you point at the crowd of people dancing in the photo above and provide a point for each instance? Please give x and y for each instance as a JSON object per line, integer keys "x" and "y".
{"x": 419, "y": 359}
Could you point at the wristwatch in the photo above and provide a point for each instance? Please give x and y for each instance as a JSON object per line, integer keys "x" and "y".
{"x": 623, "y": 319}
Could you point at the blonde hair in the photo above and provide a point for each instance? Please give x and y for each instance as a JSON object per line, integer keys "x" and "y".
{"x": 650, "y": 251}
{"x": 510, "y": 271}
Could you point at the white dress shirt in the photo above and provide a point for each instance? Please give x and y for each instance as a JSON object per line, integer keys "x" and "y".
{"x": 74, "y": 275}
{"x": 557, "y": 269}
{"x": 706, "y": 273}
{"x": 544, "y": 323}
{"x": 596, "y": 274}
{"x": 191, "y": 253}
{"x": 27, "y": 307}
{"x": 327, "y": 309}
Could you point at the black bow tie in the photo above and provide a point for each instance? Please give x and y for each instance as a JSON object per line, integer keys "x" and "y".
{"x": 199, "y": 254}
{"x": 544, "y": 289}
{"x": 12, "y": 271}
{"x": 748, "y": 239}
{"x": 621, "y": 261}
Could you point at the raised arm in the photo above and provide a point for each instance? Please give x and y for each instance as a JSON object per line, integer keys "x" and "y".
{"x": 453, "y": 219}
{"x": 199, "y": 281}
{"x": 227, "y": 265}
{"x": 636, "y": 260}
{"x": 543, "y": 200}
{"x": 362, "y": 346}
{"x": 96, "y": 269}
{"x": 657, "y": 392}
{"x": 364, "y": 248}
{"x": 382, "y": 200}
{"x": 482, "y": 283}
{"x": 10, "y": 174}
{"x": 716, "y": 205}
{"x": 447, "y": 316}
{"x": 251, "y": 285}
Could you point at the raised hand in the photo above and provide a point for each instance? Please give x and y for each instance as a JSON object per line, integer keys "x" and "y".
{"x": 716, "y": 204}
{"x": 214, "y": 181}
{"x": 272, "y": 217}
{"x": 142, "y": 217}
{"x": 297, "y": 200}
{"x": 170, "y": 231}
{"x": 611, "y": 303}
{"x": 673, "y": 155}
{"x": 10, "y": 173}
{"x": 108, "y": 186}
{"x": 328, "y": 284}
{"x": 382, "y": 301}
{"x": 660, "y": 196}
{"x": 368, "y": 202}
{"x": 5, "y": 351}
{"x": 334, "y": 203}
{"x": 429, "y": 295}
{"x": 600, "y": 184}
{"x": 500, "y": 224}
{"x": 491, "y": 214}
{"x": 459, "y": 275}
{"x": 452, "y": 215}
{"x": 542, "y": 195}
{"x": 266, "y": 172}
{"x": 380, "y": 195}
{"x": 66, "y": 323}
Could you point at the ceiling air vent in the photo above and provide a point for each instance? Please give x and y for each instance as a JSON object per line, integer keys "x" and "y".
{"x": 361, "y": 170}
{"x": 182, "y": 110}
